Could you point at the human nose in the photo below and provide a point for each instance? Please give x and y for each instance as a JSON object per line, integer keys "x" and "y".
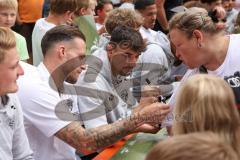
{"x": 83, "y": 67}
{"x": 133, "y": 60}
{"x": 154, "y": 17}
{"x": 20, "y": 70}
{"x": 178, "y": 53}
{"x": 9, "y": 17}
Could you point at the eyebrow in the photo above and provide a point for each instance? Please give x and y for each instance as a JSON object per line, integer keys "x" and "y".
{"x": 15, "y": 64}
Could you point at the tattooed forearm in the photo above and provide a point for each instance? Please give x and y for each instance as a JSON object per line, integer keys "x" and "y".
{"x": 91, "y": 140}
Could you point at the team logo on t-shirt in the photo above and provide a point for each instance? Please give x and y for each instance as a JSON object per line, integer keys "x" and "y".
{"x": 234, "y": 82}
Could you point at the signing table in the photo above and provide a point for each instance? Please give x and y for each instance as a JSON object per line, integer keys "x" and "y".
{"x": 133, "y": 147}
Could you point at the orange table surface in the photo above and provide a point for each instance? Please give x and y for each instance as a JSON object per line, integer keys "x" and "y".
{"x": 109, "y": 152}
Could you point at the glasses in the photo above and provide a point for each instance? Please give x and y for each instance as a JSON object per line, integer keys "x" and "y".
{"x": 124, "y": 45}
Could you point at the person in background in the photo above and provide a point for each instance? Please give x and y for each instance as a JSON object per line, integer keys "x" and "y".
{"x": 215, "y": 10}
{"x": 148, "y": 10}
{"x": 195, "y": 146}
{"x": 127, "y": 4}
{"x": 117, "y": 17}
{"x": 211, "y": 4}
{"x": 8, "y": 14}
{"x": 161, "y": 66}
{"x": 46, "y": 8}
{"x": 102, "y": 9}
{"x": 29, "y": 11}
{"x": 13, "y": 139}
{"x": 61, "y": 12}
{"x": 85, "y": 7}
{"x": 231, "y": 15}
{"x": 84, "y": 19}
{"x": 164, "y": 13}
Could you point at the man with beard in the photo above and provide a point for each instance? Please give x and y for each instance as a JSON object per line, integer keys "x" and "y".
{"x": 104, "y": 74}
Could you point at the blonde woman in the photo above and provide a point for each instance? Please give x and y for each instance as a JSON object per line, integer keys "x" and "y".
{"x": 204, "y": 48}
{"x": 206, "y": 103}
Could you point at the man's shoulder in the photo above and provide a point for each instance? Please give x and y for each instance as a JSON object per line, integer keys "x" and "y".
{"x": 32, "y": 87}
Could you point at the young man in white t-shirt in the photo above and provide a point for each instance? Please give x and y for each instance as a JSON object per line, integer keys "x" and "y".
{"x": 13, "y": 139}
{"x": 158, "y": 59}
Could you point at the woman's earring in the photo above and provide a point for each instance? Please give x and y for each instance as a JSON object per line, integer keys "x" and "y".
{"x": 199, "y": 45}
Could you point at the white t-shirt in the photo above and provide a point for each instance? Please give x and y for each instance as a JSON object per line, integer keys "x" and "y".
{"x": 231, "y": 20}
{"x": 39, "y": 102}
{"x": 148, "y": 34}
{"x": 115, "y": 1}
{"x": 127, "y": 5}
{"x": 107, "y": 106}
{"x": 40, "y": 29}
{"x": 154, "y": 62}
{"x": 98, "y": 26}
{"x": 230, "y": 66}
{"x": 157, "y": 60}
{"x": 154, "y": 52}
{"x": 13, "y": 139}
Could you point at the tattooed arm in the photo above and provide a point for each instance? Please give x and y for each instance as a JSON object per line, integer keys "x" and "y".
{"x": 91, "y": 140}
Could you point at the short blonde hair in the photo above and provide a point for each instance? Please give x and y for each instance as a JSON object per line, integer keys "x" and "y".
{"x": 9, "y": 4}
{"x": 210, "y": 103}
{"x": 195, "y": 146}
{"x": 7, "y": 41}
{"x": 124, "y": 17}
{"x": 192, "y": 19}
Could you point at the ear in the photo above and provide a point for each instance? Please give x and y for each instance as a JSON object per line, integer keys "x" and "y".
{"x": 82, "y": 11}
{"x": 109, "y": 47}
{"x": 198, "y": 35}
{"x": 61, "y": 52}
{"x": 69, "y": 14}
{"x": 110, "y": 52}
{"x": 69, "y": 17}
